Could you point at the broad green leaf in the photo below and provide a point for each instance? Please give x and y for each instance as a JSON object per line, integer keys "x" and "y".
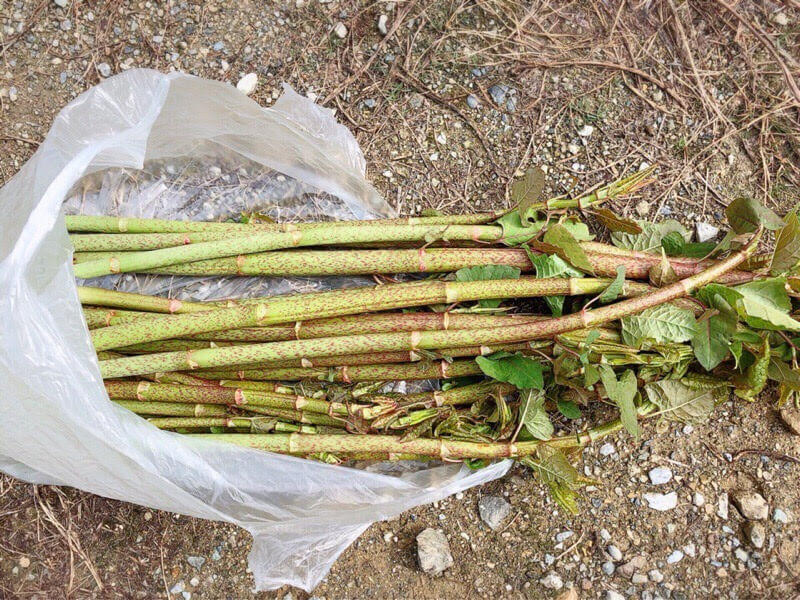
{"x": 698, "y": 249}
{"x": 578, "y": 229}
{"x": 552, "y": 265}
{"x": 614, "y": 222}
{"x": 615, "y": 288}
{"x": 750, "y": 385}
{"x": 673, "y": 243}
{"x": 487, "y": 272}
{"x": 678, "y": 401}
{"x": 515, "y": 232}
{"x": 559, "y": 236}
{"x": 650, "y": 238}
{"x": 569, "y": 409}
{"x": 516, "y": 369}
{"x": 526, "y": 191}
{"x": 765, "y": 304}
{"x": 736, "y": 352}
{"x": 663, "y": 324}
{"x": 533, "y": 415}
{"x": 662, "y": 274}
{"x": 786, "y": 256}
{"x": 783, "y": 373}
{"x": 745, "y": 215}
{"x": 712, "y": 338}
{"x": 622, "y": 392}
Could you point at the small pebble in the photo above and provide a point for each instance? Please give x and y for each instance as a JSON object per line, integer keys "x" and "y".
{"x": 780, "y": 516}
{"x": 104, "y": 69}
{"x": 614, "y": 552}
{"x": 607, "y": 449}
{"x": 751, "y": 504}
{"x": 194, "y": 582}
{"x": 706, "y": 232}
{"x": 24, "y": 562}
{"x": 639, "y": 579}
{"x": 655, "y": 576}
{"x": 608, "y": 568}
{"x": 472, "y": 101}
{"x": 60, "y": 3}
{"x": 340, "y": 29}
{"x": 698, "y": 499}
{"x": 722, "y": 506}
{"x": 781, "y": 19}
{"x": 661, "y": 502}
{"x": 660, "y": 475}
{"x": 433, "y": 552}
{"x": 382, "y": 21}
{"x": 612, "y": 595}
{"x": 247, "y": 84}
{"x": 552, "y": 581}
{"x": 642, "y": 208}
{"x": 196, "y": 561}
{"x": 756, "y": 533}
{"x": 741, "y": 554}
{"x": 493, "y": 510}
{"x": 675, "y": 556}
{"x": 586, "y": 131}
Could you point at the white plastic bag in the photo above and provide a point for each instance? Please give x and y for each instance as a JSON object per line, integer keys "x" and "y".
{"x": 57, "y": 425}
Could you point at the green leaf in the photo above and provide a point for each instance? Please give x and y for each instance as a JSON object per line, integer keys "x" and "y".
{"x": 615, "y": 288}
{"x": 554, "y": 469}
{"x": 552, "y": 265}
{"x": 569, "y": 409}
{"x": 712, "y": 338}
{"x": 736, "y": 351}
{"x": 526, "y": 191}
{"x": 560, "y": 237}
{"x": 614, "y": 222}
{"x": 515, "y": 232}
{"x": 786, "y": 256}
{"x": 751, "y": 384}
{"x": 622, "y": 392}
{"x": 745, "y": 215}
{"x": 663, "y": 324}
{"x": 698, "y": 249}
{"x": 650, "y": 238}
{"x": 678, "y": 401}
{"x": 765, "y": 304}
{"x": 516, "y": 369}
{"x": 533, "y": 415}
{"x": 487, "y": 272}
{"x": 662, "y": 273}
{"x": 586, "y": 344}
{"x": 578, "y": 229}
{"x": 673, "y": 243}
{"x": 783, "y": 373}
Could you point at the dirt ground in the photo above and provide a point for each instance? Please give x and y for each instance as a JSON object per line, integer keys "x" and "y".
{"x": 450, "y": 102}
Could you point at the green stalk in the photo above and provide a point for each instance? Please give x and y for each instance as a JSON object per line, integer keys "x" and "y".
{"x": 440, "y": 448}
{"x": 173, "y": 409}
{"x": 104, "y": 224}
{"x": 308, "y": 263}
{"x": 154, "y": 392}
{"x": 341, "y": 302}
{"x": 439, "y": 369}
{"x": 261, "y": 242}
{"x": 254, "y": 424}
{"x": 429, "y": 340}
{"x": 308, "y": 418}
{"x": 140, "y": 302}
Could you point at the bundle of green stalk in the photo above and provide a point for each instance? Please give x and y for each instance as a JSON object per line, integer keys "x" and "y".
{"x": 535, "y": 339}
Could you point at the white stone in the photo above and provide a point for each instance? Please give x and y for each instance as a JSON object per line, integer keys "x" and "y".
{"x": 675, "y": 556}
{"x": 655, "y": 576}
{"x": 722, "y": 506}
{"x": 552, "y": 581}
{"x": 607, "y": 449}
{"x": 780, "y": 516}
{"x": 382, "y": 20}
{"x": 698, "y": 499}
{"x": 340, "y": 29}
{"x": 780, "y": 18}
{"x": 573, "y": 148}
{"x": 104, "y": 69}
{"x": 660, "y": 475}
{"x": 690, "y": 550}
{"x": 706, "y": 232}
{"x": 661, "y": 502}
{"x": 586, "y": 131}
{"x": 60, "y": 3}
{"x": 614, "y": 552}
{"x": 433, "y": 551}
{"x": 247, "y": 84}
{"x": 612, "y": 595}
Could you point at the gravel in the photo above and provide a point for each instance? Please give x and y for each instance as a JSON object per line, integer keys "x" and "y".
{"x": 472, "y": 101}
{"x": 196, "y": 561}
{"x": 780, "y": 516}
{"x": 104, "y": 69}
{"x": 382, "y": 21}
{"x": 675, "y": 556}
{"x": 608, "y": 568}
{"x": 247, "y": 84}
{"x": 607, "y": 449}
{"x": 433, "y": 552}
{"x": 340, "y": 30}
{"x": 614, "y": 552}
{"x": 698, "y": 499}
{"x": 706, "y": 232}
{"x": 586, "y": 131}
{"x": 552, "y": 581}
{"x": 756, "y": 533}
{"x": 493, "y": 510}
{"x": 722, "y": 506}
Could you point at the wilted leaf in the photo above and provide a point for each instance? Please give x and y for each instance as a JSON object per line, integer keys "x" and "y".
{"x": 678, "y": 401}
{"x": 786, "y": 256}
{"x": 662, "y": 273}
{"x": 533, "y": 415}
{"x": 487, "y": 272}
{"x": 559, "y": 237}
{"x": 526, "y": 191}
{"x": 516, "y": 369}
{"x": 614, "y": 222}
{"x": 712, "y": 338}
{"x": 615, "y": 288}
{"x": 783, "y": 373}
{"x": 745, "y": 215}
{"x": 622, "y": 392}
{"x": 663, "y": 324}
{"x": 650, "y": 238}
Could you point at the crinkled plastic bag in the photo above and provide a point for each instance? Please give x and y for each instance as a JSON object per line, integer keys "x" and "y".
{"x": 57, "y": 425}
